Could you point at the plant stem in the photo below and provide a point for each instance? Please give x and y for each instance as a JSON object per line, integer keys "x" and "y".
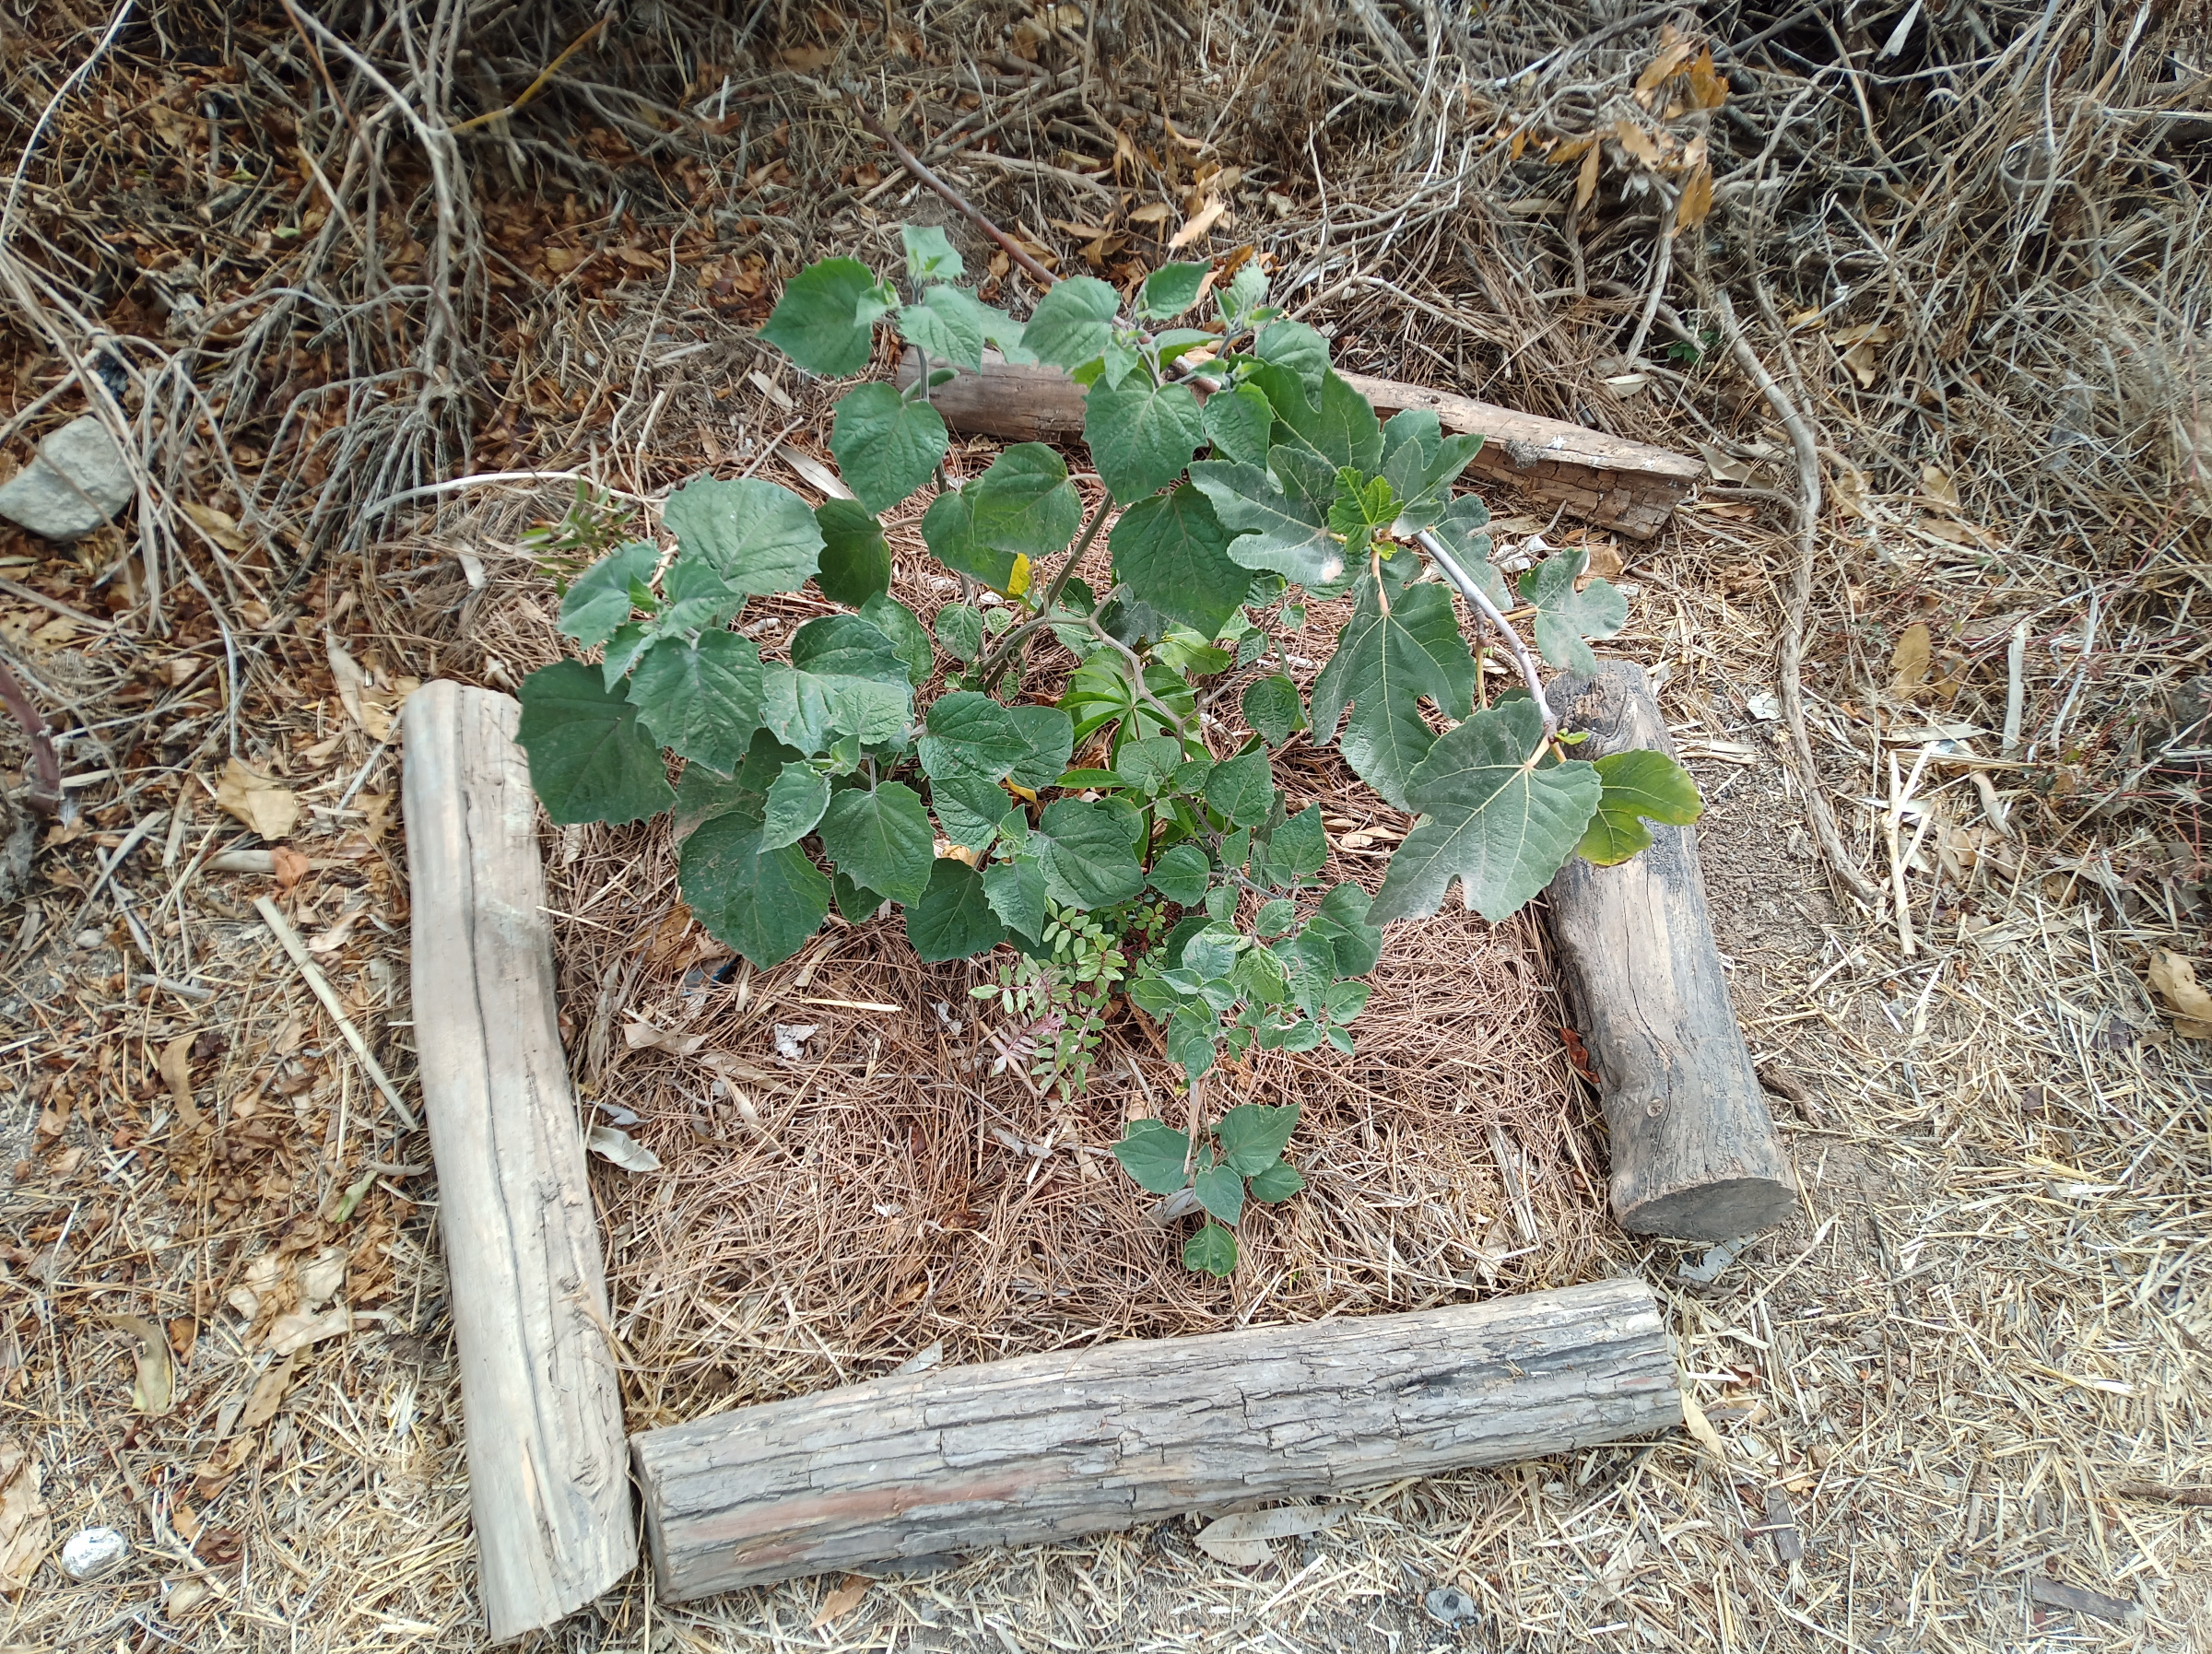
{"x": 993, "y": 666}
{"x": 913, "y": 163}
{"x": 1137, "y": 666}
{"x": 1477, "y": 600}
{"x": 44, "y": 793}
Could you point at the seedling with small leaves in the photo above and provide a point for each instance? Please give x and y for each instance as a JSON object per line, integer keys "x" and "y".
{"x": 1098, "y": 837}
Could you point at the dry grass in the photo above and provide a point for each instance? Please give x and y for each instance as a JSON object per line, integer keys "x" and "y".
{"x": 1956, "y": 1381}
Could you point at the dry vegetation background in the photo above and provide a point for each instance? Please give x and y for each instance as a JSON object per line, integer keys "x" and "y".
{"x": 341, "y": 271}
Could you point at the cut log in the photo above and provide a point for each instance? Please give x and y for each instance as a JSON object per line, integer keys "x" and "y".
{"x": 539, "y": 1394}
{"x": 1048, "y": 1447}
{"x": 1695, "y": 1152}
{"x": 1631, "y": 487}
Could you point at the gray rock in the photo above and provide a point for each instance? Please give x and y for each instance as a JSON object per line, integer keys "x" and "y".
{"x": 1448, "y": 1606}
{"x": 93, "y": 1551}
{"x": 79, "y": 480}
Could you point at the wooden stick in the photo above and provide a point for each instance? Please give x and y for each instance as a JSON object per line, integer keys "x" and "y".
{"x": 272, "y": 916}
{"x": 1048, "y": 1447}
{"x": 1695, "y": 1152}
{"x": 540, "y": 1390}
{"x": 1631, "y": 486}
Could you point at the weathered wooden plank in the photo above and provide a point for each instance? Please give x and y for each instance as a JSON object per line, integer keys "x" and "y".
{"x": 548, "y": 1488}
{"x": 1695, "y": 1152}
{"x": 1046, "y": 1447}
{"x": 1631, "y": 487}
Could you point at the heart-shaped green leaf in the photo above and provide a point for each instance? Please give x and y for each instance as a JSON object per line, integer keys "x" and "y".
{"x": 824, "y": 322}
{"x": 763, "y": 903}
{"x": 1141, "y": 435}
{"x": 953, "y": 919}
{"x": 760, "y": 537}
{"x": 885, "y": 445}
{"x": 881, "y": 836}
{"x": 1153, "y": 1153}
{"x": 1173, "y": 552}
{"x": 590, "y": 759}
{"x": 702, "y": 700}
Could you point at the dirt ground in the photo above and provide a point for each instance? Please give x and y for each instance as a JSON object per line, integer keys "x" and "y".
{"x": 1958, "y": 1402}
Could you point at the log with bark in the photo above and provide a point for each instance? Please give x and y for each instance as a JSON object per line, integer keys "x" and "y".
{"x": 548, "y": 1482}
{"x": 1631, "y": 487}
{"x": 1048, "y": 1447}
{"x": 1695, "y": 1152}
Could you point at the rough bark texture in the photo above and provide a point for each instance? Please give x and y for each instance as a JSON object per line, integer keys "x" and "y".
{"x": 547, "y": 1482}
{"x": 1631, "y": 486}
{"x": 1695, "y": 1152}
{"x": 1047, "y": 1446}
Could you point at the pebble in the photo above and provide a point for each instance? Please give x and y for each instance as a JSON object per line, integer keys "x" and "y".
{"x": 91, "y": 1551}
{"x": 89, "y": 939}
{"x": 1449, "y": 1604}
{"x": 77, "y": 481}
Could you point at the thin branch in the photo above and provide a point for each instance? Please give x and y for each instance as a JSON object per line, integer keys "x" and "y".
{"x": 993, "y": 666}
{"x": 1476, "y": 599}
{"x": 44, "y": 793}
{"x": 958, "y": 202}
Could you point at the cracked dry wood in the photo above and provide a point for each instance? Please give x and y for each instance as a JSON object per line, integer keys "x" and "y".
{"x": 1695, "y": 1152}
{"x": 1608, "y": 480}
{"x": 548, "y": 1482}
{"x": 1048, "y": 1447}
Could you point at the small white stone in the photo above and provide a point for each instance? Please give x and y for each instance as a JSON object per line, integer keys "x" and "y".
{"x": 92, "y": 1552}
{"x": 78, "y": 481}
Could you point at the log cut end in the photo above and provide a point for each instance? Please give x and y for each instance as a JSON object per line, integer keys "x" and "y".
{"x": 1695, "y": 1152}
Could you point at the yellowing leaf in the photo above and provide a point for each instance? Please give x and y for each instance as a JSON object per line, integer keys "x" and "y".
{"x": 1018, "y": 582}
{"x": 2173, "y": 979}
{"x": 268, "y": 808}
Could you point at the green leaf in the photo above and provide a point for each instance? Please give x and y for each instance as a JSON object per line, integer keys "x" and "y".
{"x": 1181, "y": 874}
{"x": 969, "y": 809}
{"x": 930, "y": 256}
{"x": 1073, "y": 321}
{"x": 1246, "y": 292}
{"x": 763, "y": 903}
{"x": 1141, "y": 436}
{"x": 967, "y": 733}
{"x": 1641, "y": 784}
{"x": 1279, "y": 1182}
{"x": 1360, "y": 507}
{"x": 1171, "y": 290}
{"x": 1461, "y": 530}
{"x": 885, "y": 445}
{"x": 1338, "y": 430}
{"x": 845, "y": 677}
{"x": 1273, "y": 531}
{"x": 1298, "y": 849}
{"x": 1421, "y": 464}
{"x": 1237, "y": 423}
{"x": 881, "y": 836}
{"x": 1347, "y": 1000}
{"x": 960, "y": 627}
{"x": 905, "y": 630}
{"x": 1254, "y": 1135}
{"x": 947, "y": 325}
{"x": 819, "y": 323}
{"x": 796, "y": 802}
{"x": 1153, "y": 1153}
{"x": 701, "y": 794}
{"x": 1498, "y": 824}
{"x": 1173, "y": 553}
{"x": 1565, "y": 616}
{"x": 1272, "y": 708}
{"x": 855, "y": 563}
{"x": 1385, "y": 661}
{"x": 949, "y": 530}
{"x": 1048, "y": 737}
{"x": 1149, "y": 763}
{"x": 1295, "y": 347}
{"x": 1025, "y": 503}
{"x": 1015, "y": 890}
{"x": 953, "y": 919}
{"x": 702, "y": 700}
{"x": 598, "y": 600}
{"x": 1211, "y": 1251}
{"x": 1191, "y": 1036}
{"x": 1084, "y": 851}
{"x": 760, "y": 537}
{"x": 858, "y": 903}
{"x": 590, "y": 757}
{"x": 1221, "y": 1192}
{"x": 1242, "y": 787}
{"x": 1341, "y": 920}
{"x": 1274, "y": 917}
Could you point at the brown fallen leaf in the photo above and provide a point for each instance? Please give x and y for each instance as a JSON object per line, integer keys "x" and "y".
{"x": 289, "y": 866}
{"x": 1586, "y": 182}
{"x": 1699, "y": 1425}
{"x": 267, "y": 808}
{"x": 2173, "y": 979}
{"x": 219, "y": 526}
{"x": 26, "y": 1529}
{"x": 1206, "y": 218}
{"x": 840, "y": 1603}
{"x": 1697, "y": 198}
{"x": 268, "y": 1393}
{"x": 176, "y": 1072}
{"x": 298, "y": 1329}
{"x": 347, "y": 674}
{"x": 1908, "y": 661}
{"x": 153, "y": 1391}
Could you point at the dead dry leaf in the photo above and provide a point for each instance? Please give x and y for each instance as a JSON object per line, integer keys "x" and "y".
{"x": 26, "y": 1529}
{"x": 154, "y": 1387}
{"x": 268, "y": 1393}
{"x": 1697, "y": 198}
{"x": 1586, "y": 183}
{"x": 219, "y": 526}
{"x": 348, "y": 673}
{"x": 268, "y": 808}
{"x": 643, "y": 1035}
{"x": 322, "y": 1277}
{"x": 298, "y": 1329}
{"x": 1241, "y": 1541}
{"x": 622, "y": 1149}
{"x": 2173, "y": 979}
{"x": 1637, "y": 142}
{"x": 840, "y": 1603}
{"x": 1937, "y": 484}
{"x": 1699, "y": 1425}
{"x": 1674, "y": 52}
{"x": 176, "y": 1074}
{"x": 1208, "y": 216}
{"x": 1707, "y": 88}
{"x": 1908, "y": 661}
